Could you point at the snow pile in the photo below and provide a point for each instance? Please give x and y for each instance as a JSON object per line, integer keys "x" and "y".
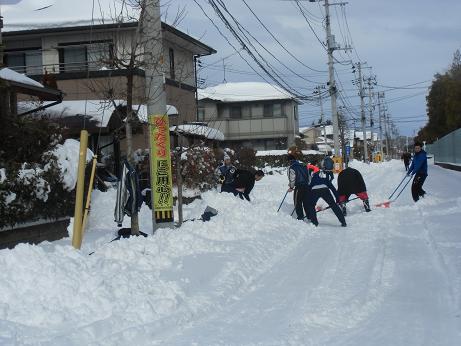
{"x": 8, "y": 74}
{"x": 68, "y": 156}
{"x": 249, "y": 276}
{"x": 244, "y": 91}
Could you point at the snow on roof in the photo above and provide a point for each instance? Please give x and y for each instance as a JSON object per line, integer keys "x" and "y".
{"x": 8, "y": 74}
{"x": 321, "y": 139}
{"x": 200, "y": 130}
{"x": 97, "y": 110}
{"x": 284, "y": 152}
{"x": 359, "y": 135}
{"x": 244, "y": 91}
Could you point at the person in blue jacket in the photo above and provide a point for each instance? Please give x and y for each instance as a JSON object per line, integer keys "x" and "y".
{"x": 225, "y": 174}
{"x": 418, "y": 168}
{"x": 322, "y": 187}
{"x": 298, "y": 181}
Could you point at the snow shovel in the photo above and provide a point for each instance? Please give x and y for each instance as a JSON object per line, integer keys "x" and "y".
{"x": 283, "y": 200}
{"x": 387, "y": 204}
{"x": 207, "y": 214}
{"x": 318, "y": 209}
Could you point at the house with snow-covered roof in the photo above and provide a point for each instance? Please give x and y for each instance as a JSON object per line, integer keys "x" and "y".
{"x": 250, "y": 114}
{"x": 80, "y": 61}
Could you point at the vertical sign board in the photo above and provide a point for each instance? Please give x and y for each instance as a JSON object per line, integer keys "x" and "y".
{"x": 160, "y": 165}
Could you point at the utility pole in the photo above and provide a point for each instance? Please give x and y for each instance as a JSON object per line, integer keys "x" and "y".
{"x": 371, "y": 80}
{"x": 386, "y": 129}
{"x": 160, "y": 165}
{"x": 380, "y": 96}
{"x": 1, "y": 40}
{"x": 331, "y": 46}
{"x": 318, "y": 91}
{"x": 359, "y": 66}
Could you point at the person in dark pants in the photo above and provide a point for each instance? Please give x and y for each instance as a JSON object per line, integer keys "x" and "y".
{"x": 225, "y": 174}
{"x": 406, "y": 157}
{"x": 321, "y": 188}
{"x": 350, "y": 182}
{"x": 418, "y": 168}
{"x": 298, "y": 181}
{"x": 245, "y": 181}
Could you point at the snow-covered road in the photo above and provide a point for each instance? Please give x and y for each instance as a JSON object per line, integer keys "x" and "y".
{"x": 250, "y": 276}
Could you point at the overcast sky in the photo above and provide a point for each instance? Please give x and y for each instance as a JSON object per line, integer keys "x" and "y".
{"x": 405, "y": 42}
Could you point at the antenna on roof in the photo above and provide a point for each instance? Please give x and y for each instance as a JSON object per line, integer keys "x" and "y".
{"x": 224, "y": 69}
{"x": 43, "y": 8}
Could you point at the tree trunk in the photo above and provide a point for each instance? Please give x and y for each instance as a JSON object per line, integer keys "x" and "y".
{"x": 129, "y": 141}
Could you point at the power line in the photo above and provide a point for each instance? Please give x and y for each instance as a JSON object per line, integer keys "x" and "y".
{"x": 276, "y": 40}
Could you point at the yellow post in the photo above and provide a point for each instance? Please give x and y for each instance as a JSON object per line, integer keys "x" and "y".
{"x": 77, "y": 235}
{"x": 88, "y": 196}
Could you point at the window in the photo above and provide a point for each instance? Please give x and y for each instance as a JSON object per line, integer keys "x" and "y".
{"x": 236, "y": 112}
{"x": 201, "y": 114}
{"x": 83, "y": 56}
{"x": 171, "y": 55}
{"x": 268, "y": 110}
{"x": 277, "y": 110}
{"x": 29, "y": 62}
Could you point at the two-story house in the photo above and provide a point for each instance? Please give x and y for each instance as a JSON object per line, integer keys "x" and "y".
{"x": 86, "y": 64}
{"x": 250, "y": 114}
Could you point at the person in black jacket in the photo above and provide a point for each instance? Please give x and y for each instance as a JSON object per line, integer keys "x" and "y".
{"x": 244, "y": 181}
{"x": 322, "y": 187}
{"x": 406, "y": 157}
{"x": 350, "y": 182}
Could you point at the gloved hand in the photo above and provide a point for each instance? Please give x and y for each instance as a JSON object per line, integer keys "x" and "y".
{"x": 221, "y": 179}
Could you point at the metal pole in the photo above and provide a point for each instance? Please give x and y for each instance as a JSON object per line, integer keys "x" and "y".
{"x": 331, "y": 47}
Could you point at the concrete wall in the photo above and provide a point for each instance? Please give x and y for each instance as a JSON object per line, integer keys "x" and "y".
{"x": 34, "y": 233}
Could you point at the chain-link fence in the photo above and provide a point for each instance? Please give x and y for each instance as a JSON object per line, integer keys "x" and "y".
{"x": 447, "y": 149}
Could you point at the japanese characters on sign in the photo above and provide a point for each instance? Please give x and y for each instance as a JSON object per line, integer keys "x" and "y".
{"x": 161, "y": 177}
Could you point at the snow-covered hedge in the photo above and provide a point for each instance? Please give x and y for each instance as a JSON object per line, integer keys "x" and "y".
{"x": 44, "y": 189}
{"x": 198, "y": 166}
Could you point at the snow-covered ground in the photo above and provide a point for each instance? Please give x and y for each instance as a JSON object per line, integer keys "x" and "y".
{"x": 250, "y": 276}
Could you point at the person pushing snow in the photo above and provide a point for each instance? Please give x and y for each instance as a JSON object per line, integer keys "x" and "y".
{"x": 350, "y": 182}
{"x": 418, "y": 168}
{"x": 298, "y": 181}
{"x": 322, "y": 187}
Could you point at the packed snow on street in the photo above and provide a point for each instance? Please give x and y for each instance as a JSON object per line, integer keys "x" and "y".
{"x": 250, "y": 275}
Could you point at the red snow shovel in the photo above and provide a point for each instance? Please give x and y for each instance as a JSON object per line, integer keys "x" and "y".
{"x": 387, "y": 204}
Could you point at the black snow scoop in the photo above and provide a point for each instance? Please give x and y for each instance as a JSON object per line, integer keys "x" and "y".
{"x": 207, "y": 214}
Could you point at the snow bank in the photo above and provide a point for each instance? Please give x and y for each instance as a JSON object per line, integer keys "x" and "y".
{"x": 249, "y": 276}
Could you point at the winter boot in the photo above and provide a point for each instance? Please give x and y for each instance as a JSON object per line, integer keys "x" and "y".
{"x": 366, "y": 204}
